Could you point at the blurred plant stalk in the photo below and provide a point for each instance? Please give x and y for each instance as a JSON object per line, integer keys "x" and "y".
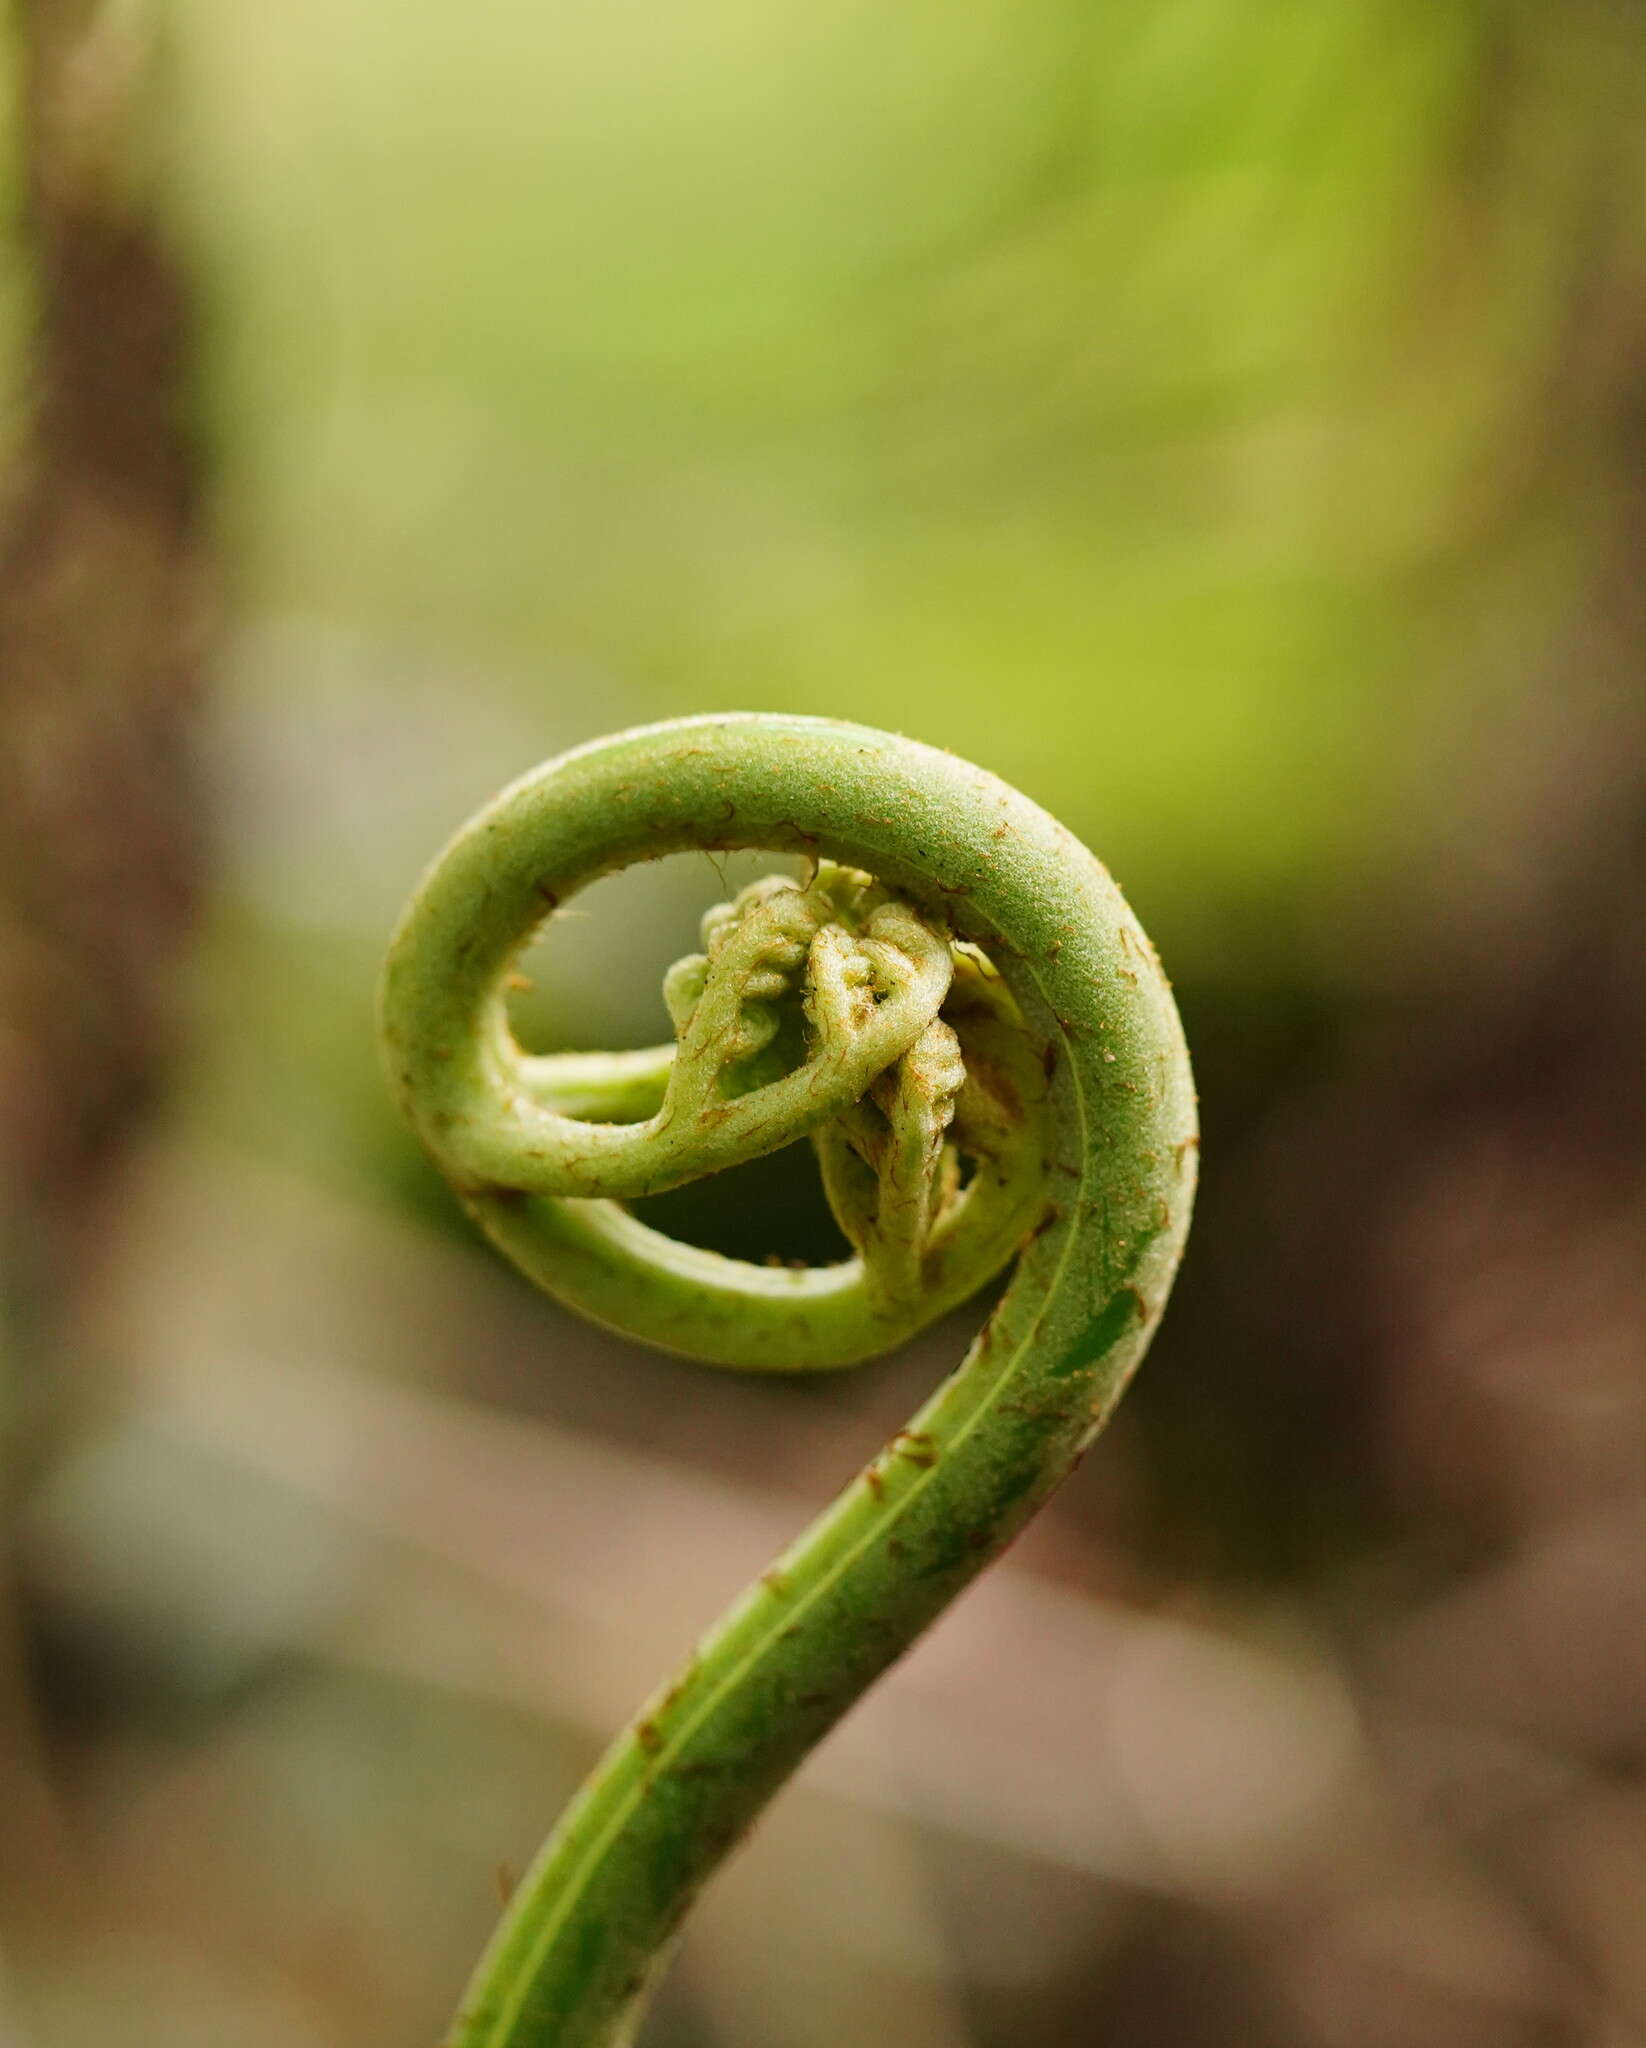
{"x": 100, "y": 641}
{"x": 101, "y": 557}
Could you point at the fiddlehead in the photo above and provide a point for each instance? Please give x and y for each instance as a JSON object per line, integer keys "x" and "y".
{"x": 958, "y": 1008}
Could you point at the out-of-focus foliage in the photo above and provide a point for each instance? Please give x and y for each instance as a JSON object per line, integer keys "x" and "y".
{"x": 1222, "y": 420}
{"x": 1134, "y": 368}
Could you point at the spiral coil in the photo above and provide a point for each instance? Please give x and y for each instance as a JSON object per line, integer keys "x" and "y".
{"x": 955, "y": 1005}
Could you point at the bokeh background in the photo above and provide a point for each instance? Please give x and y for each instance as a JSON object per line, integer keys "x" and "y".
{"x": 1224, "y": 419}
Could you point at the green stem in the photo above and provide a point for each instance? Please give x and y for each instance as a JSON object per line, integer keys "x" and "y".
{"x": 1097, "y": 1241}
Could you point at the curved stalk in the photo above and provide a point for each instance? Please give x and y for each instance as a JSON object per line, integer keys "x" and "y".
{"x": 988, "y": 995}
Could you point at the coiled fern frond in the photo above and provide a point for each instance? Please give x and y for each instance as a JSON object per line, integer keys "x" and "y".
{"x": 954, "y": 1003}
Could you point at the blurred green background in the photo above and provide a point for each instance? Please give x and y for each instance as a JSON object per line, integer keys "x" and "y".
{"x": 1222, "y": 420}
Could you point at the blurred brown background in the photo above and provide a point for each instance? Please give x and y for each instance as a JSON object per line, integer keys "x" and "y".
{"x": 1223, "y": 419}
